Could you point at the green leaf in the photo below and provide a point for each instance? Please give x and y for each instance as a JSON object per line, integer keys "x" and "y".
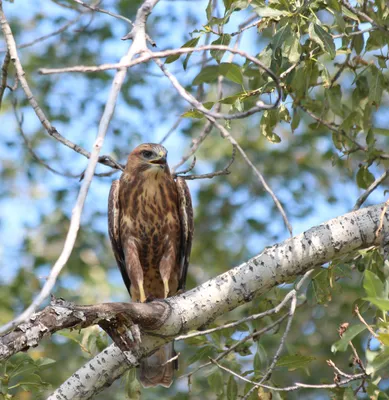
{"x": 231, "y": 72}
{"x": 364, "y": 177}
{"x": 270, "y": 12}
{"x": 376, "y": 85}
{"x": 384, "y": 338}
{"x": 370, "y": 140}
{"x": 381, "y": 131}
{"x": 43, "y": 362}
{"x": 294, "y": 362}
{"x": 291, "y": 48}
{"x": 227, "y": 4}
{"x": 279, "y": 38}
{"x": 283, "y": 113}
{"x": 348, "y": 394}
{"x": 382, "y": 304}
{"x": 268, "y": 122}
{"x": 295, "y": 120}
{"x": 231, "y": 99}
{"x": 190, "y": 43}
{"x": 350, "y": 334}
{"x": 215, "y": 381}
{"x": 232, "y": 389}
{"x": 379, "y": 362}
{"x": 206, "y": 75}
{"x": 194, "y": 113}
{"x": 372, "y": 284}
{"x": 334, "y": 98}
{"x": 222, "y": 40}
{"x": 208, "y": 10}
{"x": 347, "y": 13}
{"x": 201, "y": 353}
{"x": 322, "y": 38}
{"x": 359, "y": 43}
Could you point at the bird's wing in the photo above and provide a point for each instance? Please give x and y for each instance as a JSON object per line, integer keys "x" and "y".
{"x": 114, "y": 230}
{"x": 186, "y": 220}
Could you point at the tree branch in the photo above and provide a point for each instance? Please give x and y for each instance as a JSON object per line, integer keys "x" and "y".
{"x": 200, "y": 306}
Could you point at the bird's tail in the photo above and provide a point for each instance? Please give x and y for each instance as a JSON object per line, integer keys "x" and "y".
{"x": 155, "y": 371}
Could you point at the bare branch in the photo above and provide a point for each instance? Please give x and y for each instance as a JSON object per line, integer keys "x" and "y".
{"x": 362, "y": 198}
{"x": 101, "y": 10}
{"x": 162, "y": 54}
{"x": 61, "y": 314}
{"x": 19, "y": 122}
{"x": 296, "y": 386}
{"x": 224, "y": 171}
{"x": 4, "y": 75}
{"x": 185, "y": 171}
{"x": 51, "y": 34}
{"x": 364, "y": 16}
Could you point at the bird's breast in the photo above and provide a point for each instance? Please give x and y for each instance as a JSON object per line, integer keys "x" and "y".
{"x": 150, "y": 213}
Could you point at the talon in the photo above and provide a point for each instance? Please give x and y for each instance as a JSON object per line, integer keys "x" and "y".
{"x": 165, "y": 287}
{"x": 142, "y": 293}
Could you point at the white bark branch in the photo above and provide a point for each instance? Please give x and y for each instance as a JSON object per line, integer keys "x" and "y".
{"x": 138, "y": 45}
{"x": 200, "y": 306}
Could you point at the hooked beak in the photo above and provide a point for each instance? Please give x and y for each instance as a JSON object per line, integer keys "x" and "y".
{"x": 161, "y": 160}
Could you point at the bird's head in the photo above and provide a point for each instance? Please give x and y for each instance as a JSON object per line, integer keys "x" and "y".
{"x": 149, "y": 157}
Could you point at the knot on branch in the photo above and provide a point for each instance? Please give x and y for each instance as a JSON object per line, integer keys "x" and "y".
{"x": 122, "y": 321}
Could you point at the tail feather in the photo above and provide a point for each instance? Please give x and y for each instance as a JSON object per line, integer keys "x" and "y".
{"x": 153, "y": 372}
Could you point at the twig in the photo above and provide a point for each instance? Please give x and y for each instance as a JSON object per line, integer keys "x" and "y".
{"x": 237, "y": 344}
{"x": 4, "y": 75}
{"x": 381, "y": 225}
{"x": 296, "y": 386}
{"x": 338, "y": 371}
{"x": 292, "y": 310}
{"x": 361, "y": 32}
{"x": 185, "y": 171}
{"x": 49, "y": 35}
{"x": 148, "y": 55}
{"x": 369, "y": 328}
{"x": 101, "y": 10}
{"x": 272, "y": 311}
{"x": 172, "y": 359}
{"x": 171, "y": 130}
{"x": 136, "y": 47}
{"x": 19, "y": 121}
{"x": 364, "y": 16}
{"x": 195, "y": 144}
{"x": 336, "y": 129}
{"x": 290, "y": 296}
{"x": 224, "y": 171}
{"x": 362, "y": 198}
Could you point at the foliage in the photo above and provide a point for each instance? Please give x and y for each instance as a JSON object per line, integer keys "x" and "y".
{"x": 318, "y": 150}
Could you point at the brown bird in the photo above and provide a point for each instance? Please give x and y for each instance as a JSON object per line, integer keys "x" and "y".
{"x": 150, "y": 221}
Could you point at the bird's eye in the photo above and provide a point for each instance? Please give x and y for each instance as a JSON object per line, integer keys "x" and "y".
{"x": 147, "y": 154}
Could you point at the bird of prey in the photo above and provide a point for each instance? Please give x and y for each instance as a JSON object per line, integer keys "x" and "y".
{"x": 150, "y": 220}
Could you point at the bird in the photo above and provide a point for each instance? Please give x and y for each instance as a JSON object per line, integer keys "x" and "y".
{"x": 150, "y": 225}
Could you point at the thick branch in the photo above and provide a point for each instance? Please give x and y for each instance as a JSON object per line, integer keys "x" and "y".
{"x": 62, "y": 314}
{"x": 200, "y": 306}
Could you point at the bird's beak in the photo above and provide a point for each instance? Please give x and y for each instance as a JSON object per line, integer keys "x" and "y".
{"x": 160, "y": 160}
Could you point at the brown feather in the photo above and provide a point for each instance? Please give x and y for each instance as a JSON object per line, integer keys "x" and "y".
{"x": 151, "y": 227}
